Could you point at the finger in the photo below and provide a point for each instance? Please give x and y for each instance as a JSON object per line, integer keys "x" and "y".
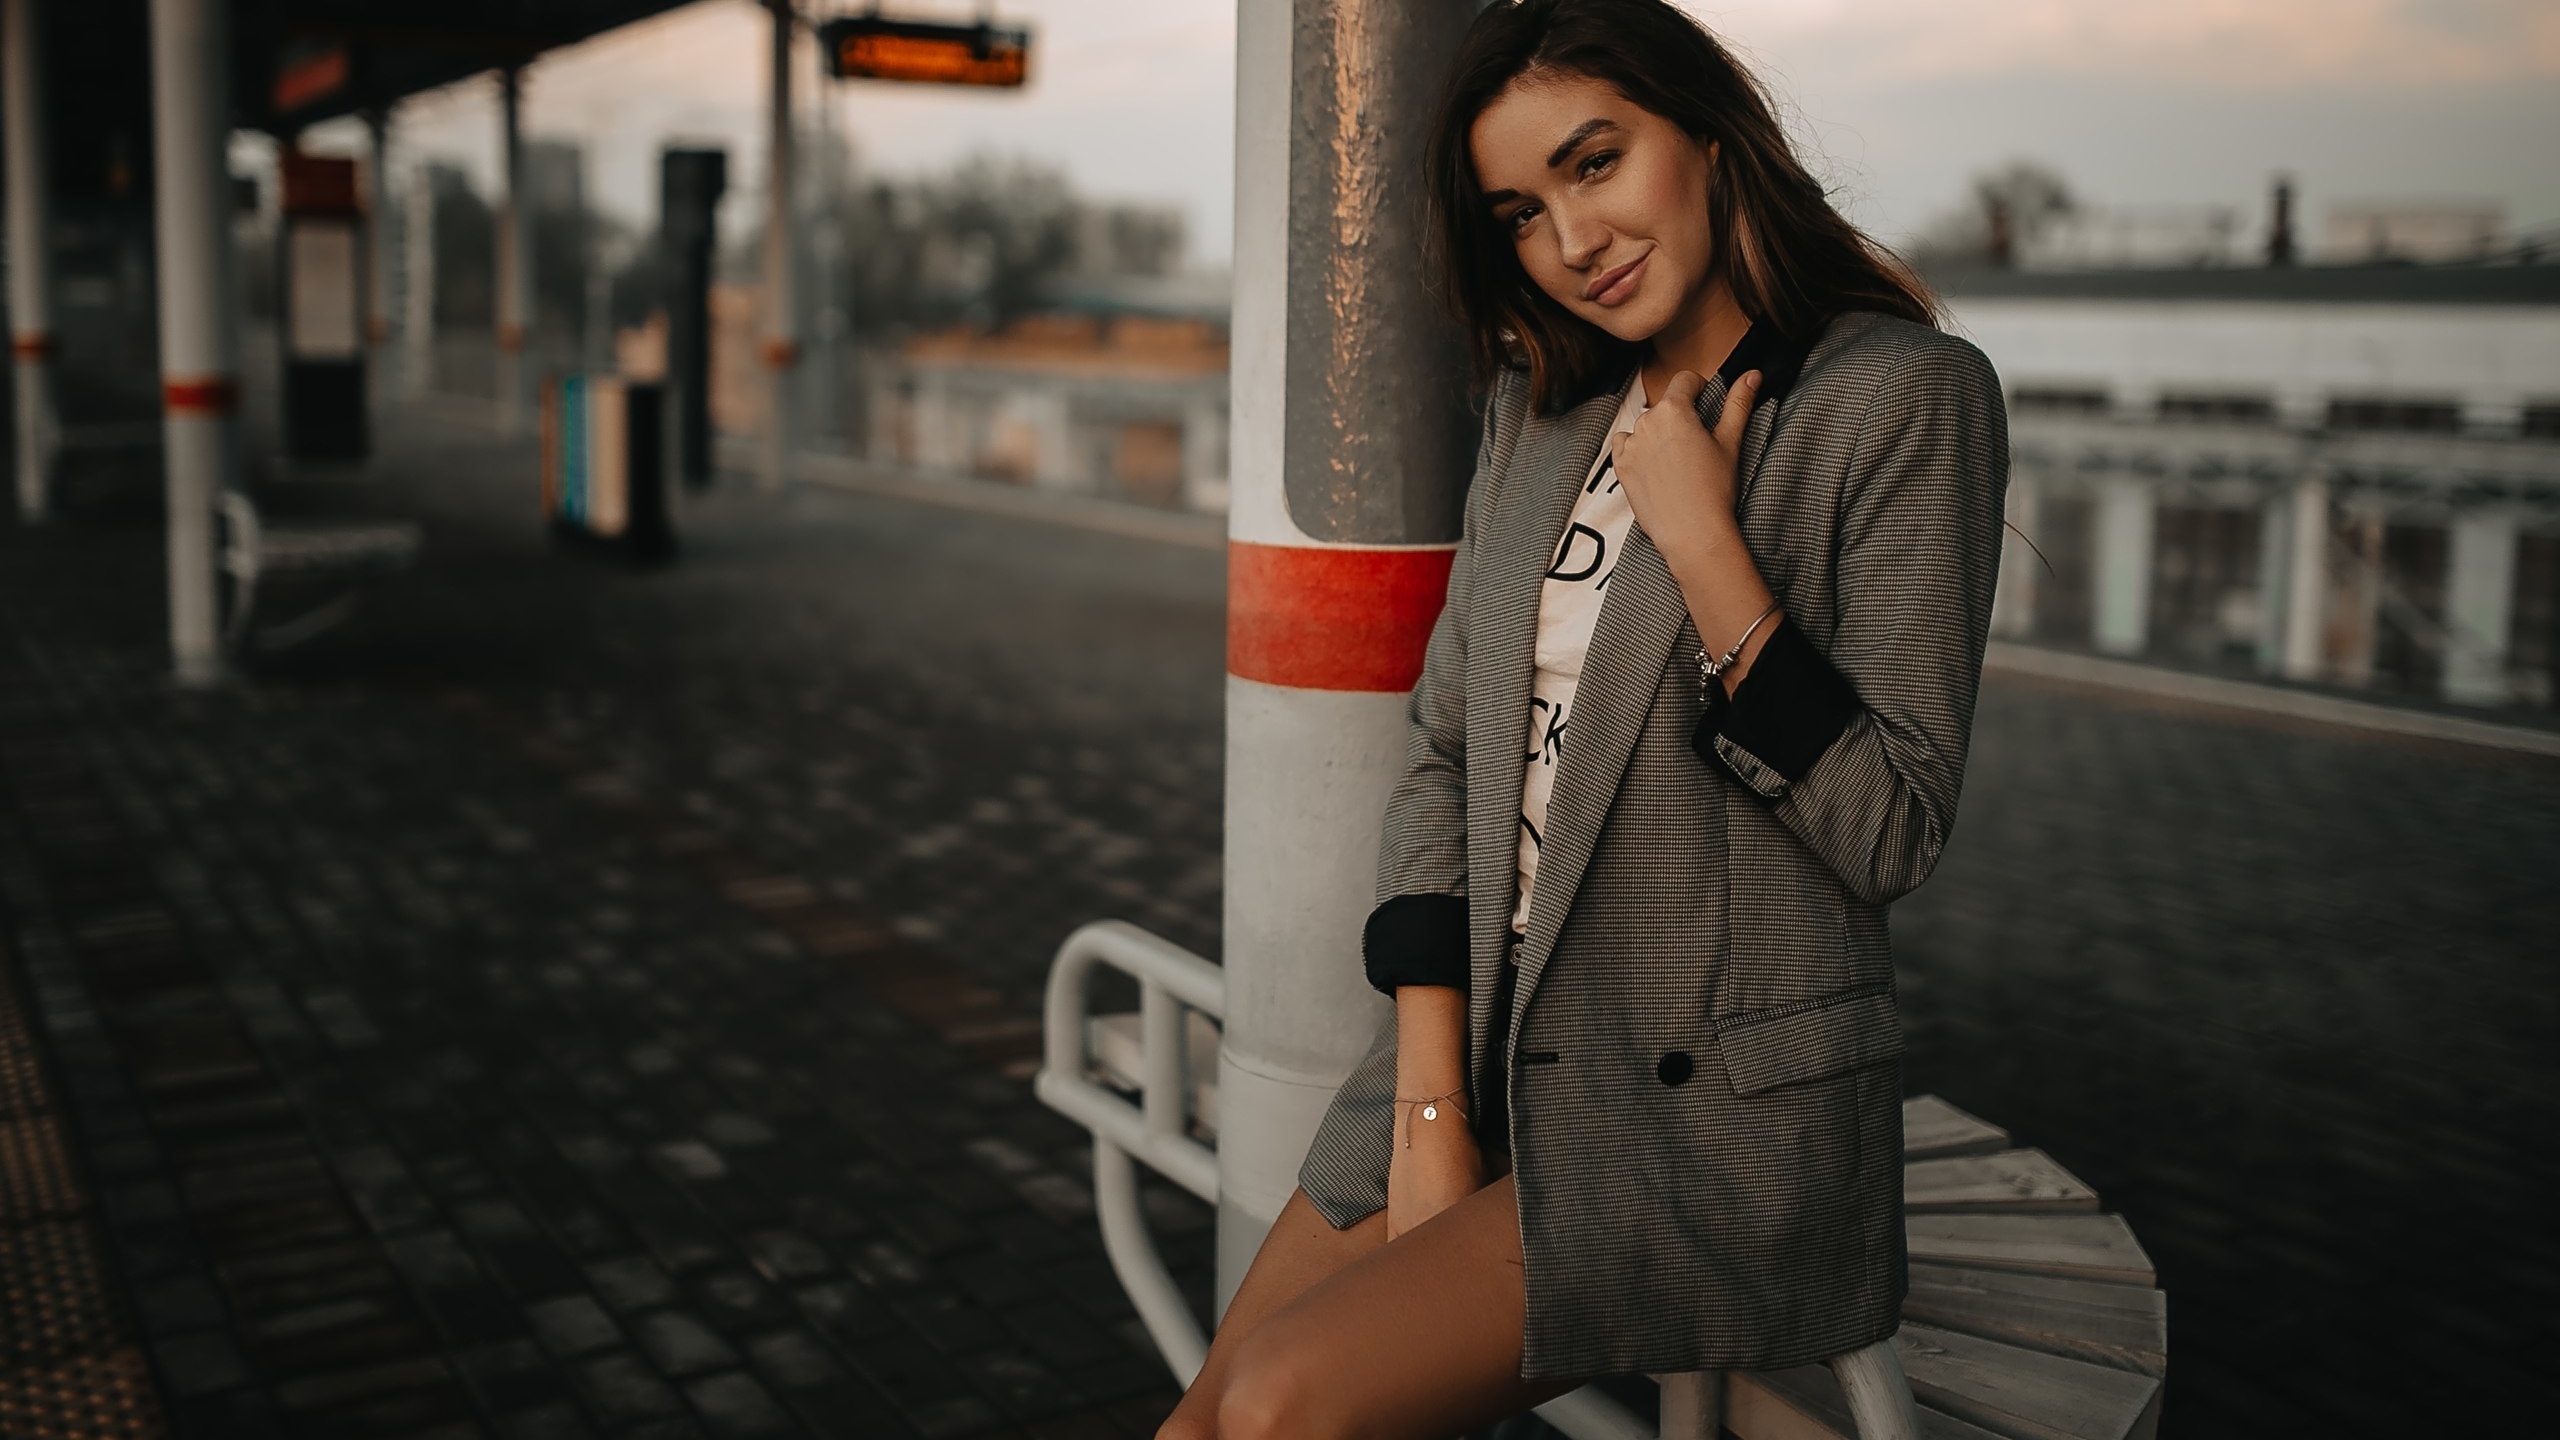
{"x": 1737, "y": 410}
{"x": 1683, "y": 388}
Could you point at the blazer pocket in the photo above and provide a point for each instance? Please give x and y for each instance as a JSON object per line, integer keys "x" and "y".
{"x": 1809, "y": 1040}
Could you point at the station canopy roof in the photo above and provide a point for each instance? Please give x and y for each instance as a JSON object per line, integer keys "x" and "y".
{"x": 293, "y": 63}
{"x": 300, "y": 61}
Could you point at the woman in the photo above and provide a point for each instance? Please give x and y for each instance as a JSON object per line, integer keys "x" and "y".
{"x": 1728, "y": 564}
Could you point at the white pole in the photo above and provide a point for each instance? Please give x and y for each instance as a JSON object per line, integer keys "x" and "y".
{"x": 418, "y": 308}
{"x": 199, "y": 331}
{"x": 2306, "y": 590}
{"x": 378, "y": 252}
{"x": 515, "y": 254}
{"x": 2480, "y": 594}
{"x": 1351, "y": 443}
{"x": 781, "y": 339}
{"x": 2126, "y": 519}
{"x": 30, "y": 257}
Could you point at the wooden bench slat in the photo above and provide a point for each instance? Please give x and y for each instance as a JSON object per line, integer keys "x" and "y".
{"x": 2124, "y": 1327}
{"x": 1932, "y": 1128}
{"x": 2010, "y": 1180}
{"x": 2023, "y": 1393}
{"x": 1805, "y": 1403}
{"x": 2091, "y": 1247}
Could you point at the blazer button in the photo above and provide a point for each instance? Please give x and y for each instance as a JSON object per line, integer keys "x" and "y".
{"x": 1675, "y": 1068}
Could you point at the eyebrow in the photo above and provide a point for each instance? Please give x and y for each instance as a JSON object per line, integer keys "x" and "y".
{"x": 1570, "y": 143}
{"x": 1563, "y": 151}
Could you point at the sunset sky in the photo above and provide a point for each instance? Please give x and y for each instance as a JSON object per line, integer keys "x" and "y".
{"x": 2168, "y": 102}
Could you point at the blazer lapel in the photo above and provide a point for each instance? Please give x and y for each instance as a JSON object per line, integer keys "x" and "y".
{"x": 1639, "y": 622}
{"x": 1544, "y": 478}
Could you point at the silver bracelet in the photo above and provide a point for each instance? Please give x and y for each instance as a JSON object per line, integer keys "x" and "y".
{"x": 1710, "y": 670}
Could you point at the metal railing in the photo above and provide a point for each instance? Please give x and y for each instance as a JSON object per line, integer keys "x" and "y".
{"x": 1156, "y": 1130}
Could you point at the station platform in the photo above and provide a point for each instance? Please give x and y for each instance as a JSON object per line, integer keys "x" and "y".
{"x": 576, "y": 999}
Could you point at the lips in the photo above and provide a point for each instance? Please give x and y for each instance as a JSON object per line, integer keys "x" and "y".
{"x": 1615, "y": 285}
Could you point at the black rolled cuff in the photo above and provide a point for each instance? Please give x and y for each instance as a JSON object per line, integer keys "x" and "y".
{"x": 1416, "y": 940}
{"x": 1786, "y": 712}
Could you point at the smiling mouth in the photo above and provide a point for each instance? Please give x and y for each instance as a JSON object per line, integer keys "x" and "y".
{"x": 1617, "y": 284}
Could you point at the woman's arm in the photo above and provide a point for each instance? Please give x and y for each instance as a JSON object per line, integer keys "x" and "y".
{"x": 1435, "y": 1162}
{"x": 1860, "y": 749}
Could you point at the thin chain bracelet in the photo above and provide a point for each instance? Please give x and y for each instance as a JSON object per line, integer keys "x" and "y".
{"x": 1430, "y": 1107}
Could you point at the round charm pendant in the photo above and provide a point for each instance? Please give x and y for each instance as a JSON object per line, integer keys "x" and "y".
{"x": 1430, "y": 1112}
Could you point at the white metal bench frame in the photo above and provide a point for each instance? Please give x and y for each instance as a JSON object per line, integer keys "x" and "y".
{"x": 252, "y": 549}
{"x": 1173, "y": 981}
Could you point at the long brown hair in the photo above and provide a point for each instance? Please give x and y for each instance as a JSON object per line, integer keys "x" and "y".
{"x": 1792, "y": 261}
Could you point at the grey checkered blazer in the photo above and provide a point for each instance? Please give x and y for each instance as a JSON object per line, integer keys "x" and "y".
{"x": 1704, "y": 1093}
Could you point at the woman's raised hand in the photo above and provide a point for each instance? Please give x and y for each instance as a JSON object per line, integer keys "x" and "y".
{"x": 1678, "y": 474}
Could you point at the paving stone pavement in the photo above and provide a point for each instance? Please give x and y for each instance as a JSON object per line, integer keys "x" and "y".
{"x": 576, "y": 1000}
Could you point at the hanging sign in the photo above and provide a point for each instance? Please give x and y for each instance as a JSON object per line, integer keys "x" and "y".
{"x": 928, "y": 52}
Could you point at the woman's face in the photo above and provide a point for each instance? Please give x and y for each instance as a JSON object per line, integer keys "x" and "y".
{"x": 1605, "y": 202}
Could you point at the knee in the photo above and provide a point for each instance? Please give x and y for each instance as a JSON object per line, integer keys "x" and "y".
{"x": 1189, "y": 1422}
{"x": 1271, "y": 1396}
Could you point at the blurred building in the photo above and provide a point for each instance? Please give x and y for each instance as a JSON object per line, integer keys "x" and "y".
{"x": 2348, "y": 475}
{"x": 2376, "y": 232}
{"x": 1120, "y": 391}
{"x": 2157, "y": 237}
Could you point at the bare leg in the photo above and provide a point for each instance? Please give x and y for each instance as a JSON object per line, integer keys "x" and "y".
{"x": 1300, "y": 1251}
{"x": 1410, "y": 1341}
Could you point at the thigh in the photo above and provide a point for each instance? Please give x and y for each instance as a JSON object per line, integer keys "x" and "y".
{"x": 1300, "y": 1250}
{"x": 1410, "y": 1341}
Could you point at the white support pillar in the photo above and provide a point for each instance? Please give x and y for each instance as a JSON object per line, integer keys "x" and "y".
{"x": 199, "y": 329}
{"x": 2275, "y": 551}
{"x": 2013, "y": 604}
{"x": 30, "y": 255}
{"x": 418, "y": 303}
{"x": 379, "y": 277}
{"x": 2306, "y": 587}
{"x": 515, "y": 255}
{"x": 781, "y": 321}
{"x": 2480, "y": 593}
{"x": 2126, "y": 517}
{"x": 1351, "y": 446}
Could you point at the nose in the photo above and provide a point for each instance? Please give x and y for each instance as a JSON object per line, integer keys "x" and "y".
{"x": 1579, "y": 240}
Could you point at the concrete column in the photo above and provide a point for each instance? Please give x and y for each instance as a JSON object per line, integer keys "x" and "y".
{"x": 2013, "y": 604}
{"x": 1351, "y": 445}
{"x": 1204, "y": 454}
{"x": 515, "y": 255}
{"x": 2275, "y": 550}
{"x": 199, "y": 326}
{"x": 2480, "y": 593}
{"x": 937, "y": 442}
{"x": 379, "y": 276}
{"x": 2306, "y": 583}
{"x": 418, "y": 303}
{"x": 781, "y": 332}
{"x": 2120, "y": 615}
{"x": 30, "y": 255}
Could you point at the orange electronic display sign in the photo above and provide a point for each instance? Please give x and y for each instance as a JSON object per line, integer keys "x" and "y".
{"x": 871, "y": 47}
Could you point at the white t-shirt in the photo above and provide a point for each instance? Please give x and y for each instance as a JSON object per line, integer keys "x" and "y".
{"x": 1568, "y": 606}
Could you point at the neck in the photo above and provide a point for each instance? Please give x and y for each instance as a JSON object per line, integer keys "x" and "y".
{"x": 1698, "y": 339}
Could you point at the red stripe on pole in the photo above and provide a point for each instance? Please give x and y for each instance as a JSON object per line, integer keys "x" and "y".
{"x": 32, "y": 345}
{"x": 205, "y": 395}
{"x": 1332, "y": 619}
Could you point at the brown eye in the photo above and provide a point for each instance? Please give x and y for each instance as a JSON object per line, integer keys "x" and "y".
{"x": 1518, "y": 220}
{"x": 1597, "y": 163}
